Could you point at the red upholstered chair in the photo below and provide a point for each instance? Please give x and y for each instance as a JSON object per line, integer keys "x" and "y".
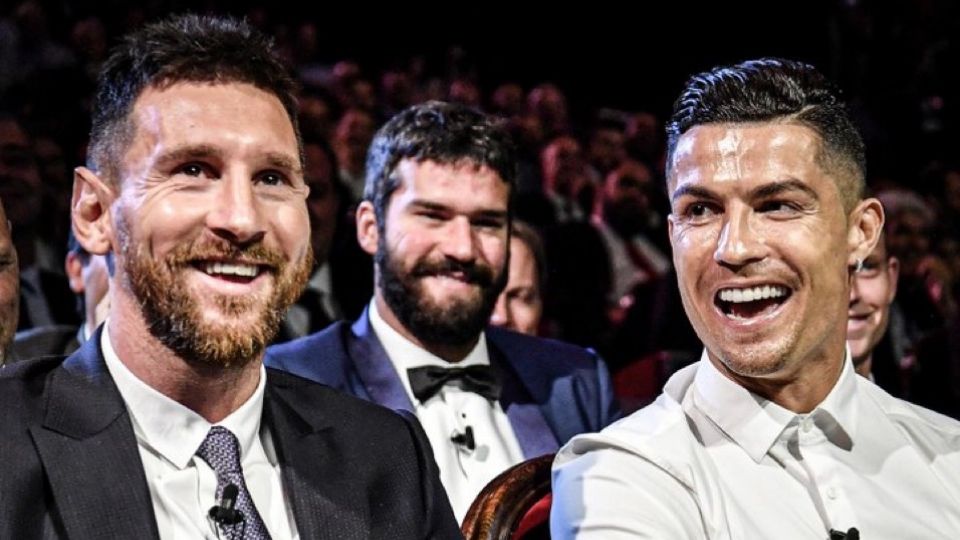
{"x": 514, "y": 505}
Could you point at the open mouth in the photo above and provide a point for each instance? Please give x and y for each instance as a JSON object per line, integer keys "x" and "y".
{"x": 232, "y": 272}
{"x": 750, "y": 302}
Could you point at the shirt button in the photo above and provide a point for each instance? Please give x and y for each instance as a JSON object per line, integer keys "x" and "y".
{"x": 806, "y": 425}
{"x": 831, "y": 493}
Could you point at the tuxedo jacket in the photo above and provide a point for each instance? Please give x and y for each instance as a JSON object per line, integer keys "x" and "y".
{"x": 551, "y": 391}
{"x": 70, "y": 465}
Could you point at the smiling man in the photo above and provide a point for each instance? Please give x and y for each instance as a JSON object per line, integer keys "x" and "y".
{"x": 771, "y": 434}
{"x": 436, "y": 217}
{"x": 872, "y": 291}
{"x": 165, "y": 424}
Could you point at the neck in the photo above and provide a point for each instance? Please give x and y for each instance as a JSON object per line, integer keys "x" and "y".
{"x": 864, "y": 366}
{"x": 213, "y": 392}
{"x": 799, "y": 390}
{"x": 450, "y": 353}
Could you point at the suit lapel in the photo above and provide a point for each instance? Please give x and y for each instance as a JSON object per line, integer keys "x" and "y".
{"x": 89, "y": 452}
{"x": 326, "y": 504}
{"x": 380, "y": 380}
{"x": 534, "y": 434}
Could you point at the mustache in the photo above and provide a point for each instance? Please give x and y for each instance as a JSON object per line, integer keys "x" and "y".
{"x": 472, "y": 272}
{"x": 257, "y": 254}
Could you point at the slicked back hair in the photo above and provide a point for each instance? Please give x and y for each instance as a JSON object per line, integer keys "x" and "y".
{"x": 776, "y": 90}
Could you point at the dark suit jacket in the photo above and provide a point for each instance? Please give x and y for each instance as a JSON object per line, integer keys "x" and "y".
{"x": 551, "y": 390}
{"x": 58, "y": 340}
{"x": 70, "y": 467}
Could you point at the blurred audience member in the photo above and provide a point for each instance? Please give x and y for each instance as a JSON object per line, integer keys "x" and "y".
{"x": 89, "y": 280}
{"x": 872, "y": 292}
{"x": 351, "y": 139}
{"x": 45, "y": 298}
{"x": 9, "y": 288}
{"x": 566, "y": 180}
{"x": 342, "y": 280}
{"x": 520, "y": 305}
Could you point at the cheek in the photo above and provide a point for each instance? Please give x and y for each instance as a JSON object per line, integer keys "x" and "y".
{"x": 292, "y": 227}
{"x": 494, "y": 250}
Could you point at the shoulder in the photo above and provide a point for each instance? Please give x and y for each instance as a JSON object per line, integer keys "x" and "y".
{"x": 659, "y": 434}
{"x": 550, "y": 355}
{"x": 318, "y": 356}
{"x": 23, "y": 388}
{"x": 357, "y": 417}
{"x": 633, "y": 479}
{"x": 922, "y": 426}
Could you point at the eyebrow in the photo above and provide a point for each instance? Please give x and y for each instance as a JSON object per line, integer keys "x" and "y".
{"x": 693, "y": 191}
{"x": 429, "y": 205}
{"x": 198, "y": 151}
{"x": 784, "y": 186}
{"x": 765, "y": 191}
{"x": 283, "y": 161}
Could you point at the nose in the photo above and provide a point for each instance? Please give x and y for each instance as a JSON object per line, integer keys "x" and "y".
{"x": 740, "y": 242}
{"x": 459, "y": 242}
{"x": 501, "y": 315}
{"x": 854, "y": 290}
{"x": 236, "y": 215}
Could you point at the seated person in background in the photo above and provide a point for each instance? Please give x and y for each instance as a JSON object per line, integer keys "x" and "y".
{"x": 342, "y": 278}
{"x": 45, "y": 298}
{"x": 89, "y": 279}
{"x": 520, "y": 306}
{"x": 771, "y": 434}
{"x": 9, "y": 289}
{"x": 872, "y": 290}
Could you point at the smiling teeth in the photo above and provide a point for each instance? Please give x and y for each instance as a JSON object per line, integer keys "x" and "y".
{"x": 244, "y": 270}
{"x": 751, "y": 294}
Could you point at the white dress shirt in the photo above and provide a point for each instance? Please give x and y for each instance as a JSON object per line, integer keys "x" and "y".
{"x": 182, "y": 486}
{"x": 709, "y": 459}
{"x": 463, "y": 472}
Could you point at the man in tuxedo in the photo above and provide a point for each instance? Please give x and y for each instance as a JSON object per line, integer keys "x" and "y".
{"x": 165, "y": 424}
{"x": 436, "y": 218}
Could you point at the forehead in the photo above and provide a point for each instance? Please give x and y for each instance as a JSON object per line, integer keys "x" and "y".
{"x": 733, "y": 154}
{"x": 463, "y": 184}
{"x": 234, "y": 116}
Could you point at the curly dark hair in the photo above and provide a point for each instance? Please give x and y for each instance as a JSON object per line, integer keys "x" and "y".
{"x": 446, "y": 133}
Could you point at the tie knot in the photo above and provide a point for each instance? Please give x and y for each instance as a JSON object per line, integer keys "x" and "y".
{"x": 221, "y": 450}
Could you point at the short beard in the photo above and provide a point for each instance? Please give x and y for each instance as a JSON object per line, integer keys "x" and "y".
{"x": 172, "y": 314}
{"x": 458, "y": 323}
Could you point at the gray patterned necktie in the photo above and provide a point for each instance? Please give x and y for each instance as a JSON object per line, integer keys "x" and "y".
{"x": 221, "y": 451}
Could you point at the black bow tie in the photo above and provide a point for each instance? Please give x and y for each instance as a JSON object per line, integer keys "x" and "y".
{"x": 427, "y": 380}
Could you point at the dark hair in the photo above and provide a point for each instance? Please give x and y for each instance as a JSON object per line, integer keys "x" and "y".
{"x": 446, "y": 133}
{"x": 773, "y": 89}
{"x": 527, "y": 234}
{"x": 182, "y": 48}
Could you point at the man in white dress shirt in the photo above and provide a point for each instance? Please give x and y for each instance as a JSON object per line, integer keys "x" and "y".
{"x": 771, "y": 434}
{"x": 165, "y": 423}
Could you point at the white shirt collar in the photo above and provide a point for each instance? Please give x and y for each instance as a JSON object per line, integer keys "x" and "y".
{"x": 404, "y": 354}
{"x": 170, "y": 429}
{"x": 755, "y": 423}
